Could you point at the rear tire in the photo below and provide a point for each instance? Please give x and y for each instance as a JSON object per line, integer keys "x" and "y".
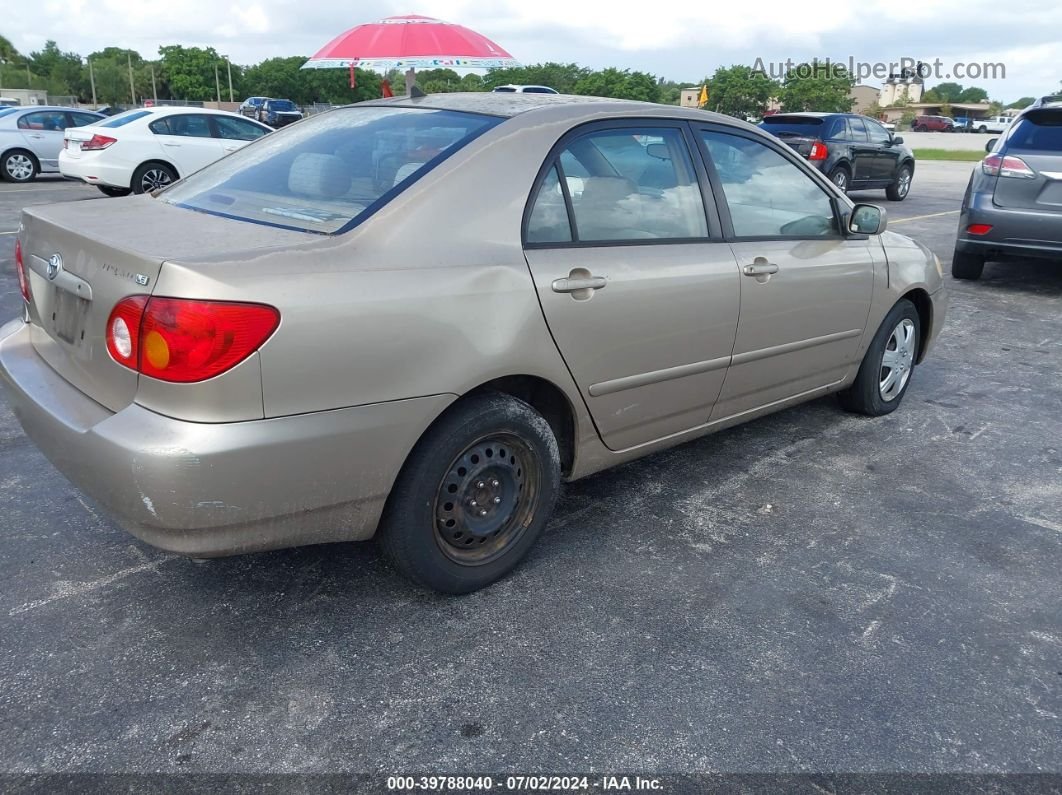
{"x": 841, "y": 177}
{"x": 967, "y": 266}
{"x": 18, "y": 165}
{"x": 114, "y": 193}
{"x": 898, "y": 190}
{"x": 473, "y": 496}
{"x": 152, "y": 176}
{"x": 888, "y": 364}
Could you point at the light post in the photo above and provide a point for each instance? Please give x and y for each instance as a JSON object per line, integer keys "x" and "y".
{"x": 217, "y": 83}
{"x": 228, "y": 66}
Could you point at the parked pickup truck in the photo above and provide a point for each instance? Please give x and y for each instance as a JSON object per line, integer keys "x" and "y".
{"x": 993, "y": 124}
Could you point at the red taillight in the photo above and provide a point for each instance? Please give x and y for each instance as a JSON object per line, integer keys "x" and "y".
{"x": 1006, "y": 166}
{"x": 97, "y": 142}
{"x": 20, "y": 269}
{"x": 183, "y": 340}
{"x": 818, "y": 151}
{"x": 979, "y": 229}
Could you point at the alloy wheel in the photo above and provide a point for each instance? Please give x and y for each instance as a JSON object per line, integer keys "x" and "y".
{"x": 155, "y": 178}
{"x": 903, "y": 182}
{"x": 897, "y": 360}
{"x": 19, "y": 167}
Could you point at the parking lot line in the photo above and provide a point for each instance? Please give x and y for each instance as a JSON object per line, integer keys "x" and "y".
{"x": 920, "y": 217}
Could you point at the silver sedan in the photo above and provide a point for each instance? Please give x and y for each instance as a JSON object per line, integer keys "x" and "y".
{"x": 32, "y": 137}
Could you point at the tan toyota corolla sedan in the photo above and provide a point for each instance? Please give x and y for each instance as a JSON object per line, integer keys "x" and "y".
{"x": 413, "y": 318}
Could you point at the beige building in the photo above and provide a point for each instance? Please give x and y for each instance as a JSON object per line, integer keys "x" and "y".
{"x": 25, "y": 96}
{"x": 900, "y": 89}
{"x": 863, "y": 97}
{"x": 690, "y": 97}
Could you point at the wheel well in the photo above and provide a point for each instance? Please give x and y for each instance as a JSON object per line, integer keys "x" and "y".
{"x": 547, "y": 400}
{"x": 157, "y": 161}
{"x": 920, "y": 299}
{"x": 6, "y": 152}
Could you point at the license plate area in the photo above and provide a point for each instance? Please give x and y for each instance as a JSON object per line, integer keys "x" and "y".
{"x": 68, "y": 317}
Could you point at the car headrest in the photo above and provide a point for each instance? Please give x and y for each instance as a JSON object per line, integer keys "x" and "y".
{"x": 319, "y": 175}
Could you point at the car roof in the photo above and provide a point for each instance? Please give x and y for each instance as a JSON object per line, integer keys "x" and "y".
{"x": 17, "y": 108}
{"x": 808, "y": 113}
{"x": 568, "y": 106}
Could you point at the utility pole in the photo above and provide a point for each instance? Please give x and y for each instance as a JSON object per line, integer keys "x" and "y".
{"x": 228, "y": 63}
{"x": 154, "y": 91}
{"x": 217, "y": 83}
{"x": 29, "y": 78}
{"x": 92, "y": 82}
{"x": 132, "y": 88}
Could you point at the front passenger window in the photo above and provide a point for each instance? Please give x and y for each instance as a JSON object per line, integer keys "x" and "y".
{"x": 768, "y": 196}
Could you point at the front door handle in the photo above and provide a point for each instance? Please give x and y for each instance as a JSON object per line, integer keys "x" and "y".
{"x": 580, "y": 283}
{"x": 760, "y": 267}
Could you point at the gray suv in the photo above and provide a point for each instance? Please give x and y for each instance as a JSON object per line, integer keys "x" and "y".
{"x": 1013, "y": 204}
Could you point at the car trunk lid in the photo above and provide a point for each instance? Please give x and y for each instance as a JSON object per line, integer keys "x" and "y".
{"x": 1037, "y": 141}
{"x": 82, "y": 258}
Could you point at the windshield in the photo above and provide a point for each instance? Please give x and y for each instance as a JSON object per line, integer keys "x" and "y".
{"x": 327, "y": 173}
{"x": 792, "y": 125}
{"x": 281, "y": 104}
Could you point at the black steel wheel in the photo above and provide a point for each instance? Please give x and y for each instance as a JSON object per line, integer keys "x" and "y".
{"x": 474, "y": 494}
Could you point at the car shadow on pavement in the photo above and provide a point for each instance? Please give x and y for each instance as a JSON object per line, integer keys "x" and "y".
{"x": 1040, "y": 277}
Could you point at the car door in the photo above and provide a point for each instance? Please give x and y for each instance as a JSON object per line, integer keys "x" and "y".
{"x": 805, "y": 288}
{"x": 864, "y": 154}
{"x": 187, "y": 141}
{"x": 637, "y": 286}
{"x": 235, "y": 133}
{"x": 43, "y": 133}
{"x": 887, "y": 156}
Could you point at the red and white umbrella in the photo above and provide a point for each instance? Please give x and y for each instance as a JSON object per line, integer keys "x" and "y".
{"x": 410, "y": 42}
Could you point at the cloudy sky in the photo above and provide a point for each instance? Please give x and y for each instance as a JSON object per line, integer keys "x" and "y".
{"x": 680, "y": 39}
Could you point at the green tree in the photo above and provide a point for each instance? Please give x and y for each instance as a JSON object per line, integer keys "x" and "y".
{"x": 740, "y": 91}
{"x": 946, "y": 92}
{"x": 817, "y": 87}
{"x": 973, "y": 94}
{"x": 189, "y": 71}
{"x": 438, "y": 81}
{"x": 558, "y": 76}
{"x": 619, "y": 84}
{"x": 1024, "y": 102}
{"x": 285, "y": 78}
{"x": 61, "y": 71}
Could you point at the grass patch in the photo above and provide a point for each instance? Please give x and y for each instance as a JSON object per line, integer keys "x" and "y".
{"x": 948, "y": 154}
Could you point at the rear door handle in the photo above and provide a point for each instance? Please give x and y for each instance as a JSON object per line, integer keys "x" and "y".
{"x": 760, "y": 267}
{"x": 170, "y": 143}
{"x": 572, "y": 285}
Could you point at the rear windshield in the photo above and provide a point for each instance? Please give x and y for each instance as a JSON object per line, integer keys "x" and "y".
{"x": 329, "y": 172}
{"x": 123, "y": 118}
{"x": 1038, "y": 131}
{"x": 792, "y": 125}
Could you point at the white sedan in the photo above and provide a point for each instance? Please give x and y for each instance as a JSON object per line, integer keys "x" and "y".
{"x": 144, "y": 149}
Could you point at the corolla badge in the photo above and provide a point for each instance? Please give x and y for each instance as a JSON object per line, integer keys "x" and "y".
{"x": 55, "y": 264}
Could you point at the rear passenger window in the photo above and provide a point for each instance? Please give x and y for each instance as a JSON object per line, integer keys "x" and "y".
{"x": 190, "y": 125}
{"x": 624, "y": 184}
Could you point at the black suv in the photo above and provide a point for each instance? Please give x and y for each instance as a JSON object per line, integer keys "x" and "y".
{"x": 1013, "y": 204}
{"x": 854, "y": 151}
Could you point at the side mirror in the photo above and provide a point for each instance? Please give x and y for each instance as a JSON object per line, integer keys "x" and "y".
{"x": 867, "y": 219}
{"x": 991, "y": 144}
{"x": 897, "y": 140}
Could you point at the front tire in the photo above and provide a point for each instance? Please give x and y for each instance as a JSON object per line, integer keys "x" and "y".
{"x": 898, "y": 190}
{"x": 886, "y": 370}
{"x": 967, "y": 266}
{"x": 151, "y": 177}
{"x": 474, "y": 495}
{"x": 19, "y": 166}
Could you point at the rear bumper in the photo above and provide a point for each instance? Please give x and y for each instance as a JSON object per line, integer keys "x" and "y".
{"x": 94, "y": 171}
{"x": 208, "y": 490}
{"x": 1014, "y": 233}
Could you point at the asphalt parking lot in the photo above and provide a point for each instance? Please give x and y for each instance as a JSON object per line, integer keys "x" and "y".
{"x": 812, "y": 591}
